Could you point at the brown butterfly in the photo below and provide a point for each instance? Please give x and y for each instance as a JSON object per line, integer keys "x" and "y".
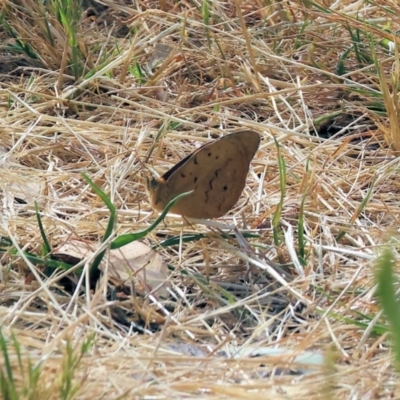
{"x": 216, "y": 172}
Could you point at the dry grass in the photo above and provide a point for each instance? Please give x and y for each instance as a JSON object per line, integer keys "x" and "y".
{"x": 317, "y": 82}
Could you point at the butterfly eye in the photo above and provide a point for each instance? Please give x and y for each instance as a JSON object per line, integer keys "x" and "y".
{"x": 152, "y": 183}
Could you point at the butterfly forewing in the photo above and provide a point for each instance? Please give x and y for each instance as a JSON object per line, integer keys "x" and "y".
{"x": 216, "y": 173}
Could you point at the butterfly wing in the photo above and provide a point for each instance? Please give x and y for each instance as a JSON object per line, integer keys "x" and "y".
{"x": 216, "y": 173}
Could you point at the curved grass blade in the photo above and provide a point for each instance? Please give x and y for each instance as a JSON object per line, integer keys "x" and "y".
{"x": 6, "y": 246}
{"x": 131, "y": 237}
{"x": 94, "y": 269}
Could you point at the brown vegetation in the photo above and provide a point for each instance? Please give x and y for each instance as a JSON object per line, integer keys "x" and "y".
{"x": 133, "y": 87}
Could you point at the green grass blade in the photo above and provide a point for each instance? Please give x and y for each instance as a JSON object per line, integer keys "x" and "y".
{"x": 46, "y": 243}
{"x": 300, "y": 233}
{"x": 282, "y": 183}
{"x": 131, "y": 237}
{"x": 94, "y": 269}
{"x": 388, "y": 298}
{"x": 361, "y": 207}
{"x": 193, "y": 237}
{"x": 8, "y": 388}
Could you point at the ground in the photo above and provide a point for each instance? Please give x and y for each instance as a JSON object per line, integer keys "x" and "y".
{"x": 275, "y": 299}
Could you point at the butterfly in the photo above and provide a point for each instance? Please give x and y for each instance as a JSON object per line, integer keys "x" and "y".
{"x": 216, "y": 173}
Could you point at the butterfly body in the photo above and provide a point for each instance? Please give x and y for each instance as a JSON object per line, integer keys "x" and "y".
{"x": 216, "y": 173}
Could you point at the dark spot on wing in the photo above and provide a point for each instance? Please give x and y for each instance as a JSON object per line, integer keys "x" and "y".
{"x": 225, "y": 188}
{"x": 209, "y": 154}
{"x": 195, "y": 179}
{"x": 195, "y": 160}
{"x": 183, "y": 175}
